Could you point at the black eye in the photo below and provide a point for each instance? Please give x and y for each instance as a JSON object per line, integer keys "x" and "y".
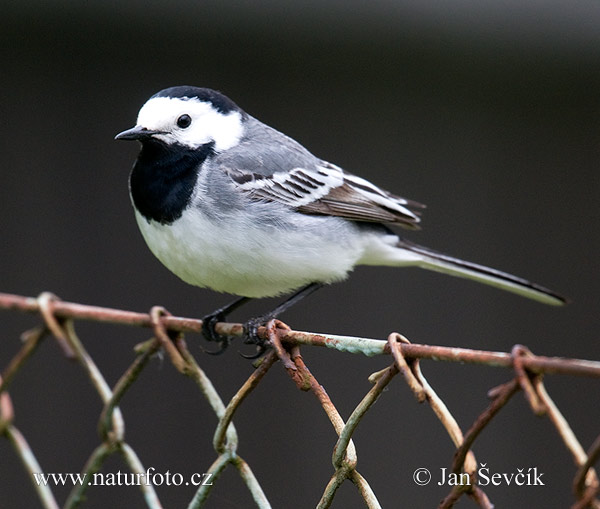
{"x": 184, "y": 121}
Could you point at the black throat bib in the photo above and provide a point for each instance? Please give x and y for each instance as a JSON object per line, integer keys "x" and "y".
{"x": 163, "y": 178}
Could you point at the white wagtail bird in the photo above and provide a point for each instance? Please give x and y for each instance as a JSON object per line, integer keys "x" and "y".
{"x": 229, "y": 203}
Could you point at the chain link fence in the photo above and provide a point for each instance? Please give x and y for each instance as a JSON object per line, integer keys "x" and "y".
{"x": 526, "y": 377}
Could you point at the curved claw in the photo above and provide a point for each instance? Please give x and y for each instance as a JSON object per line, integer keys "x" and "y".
{"x": 223, "y": 344}
{"x": 208, "y": 326}
{"x": 251, "y": 337}
{"x": 210, "y": 334}
{"x": 260, "y": 349}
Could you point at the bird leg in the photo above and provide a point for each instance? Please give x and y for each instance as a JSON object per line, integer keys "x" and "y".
{"x": 251, "y": 336}
{"x": 219, "y": 315}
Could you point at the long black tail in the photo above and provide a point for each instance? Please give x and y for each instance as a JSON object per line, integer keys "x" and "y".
{"x": 432, "y": 260}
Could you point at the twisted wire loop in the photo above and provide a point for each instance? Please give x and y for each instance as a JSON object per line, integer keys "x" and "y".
{"x": 168, "y": 336}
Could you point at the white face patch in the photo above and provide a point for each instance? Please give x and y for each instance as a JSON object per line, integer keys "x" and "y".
{"x": 161, "y": 114}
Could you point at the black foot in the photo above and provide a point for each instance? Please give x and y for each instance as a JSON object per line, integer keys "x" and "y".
{"x": 210, "y": 334}
{"x": 251, "y": 326}
{"x": 210, "y": 321}
{"x": 251, "y": 336}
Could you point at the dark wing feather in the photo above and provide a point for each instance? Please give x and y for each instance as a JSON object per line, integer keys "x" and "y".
{"x": 287, "y": 173}
{"x": 328, "y": 191}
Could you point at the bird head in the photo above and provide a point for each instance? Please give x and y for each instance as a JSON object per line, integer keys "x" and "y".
{"x": 189, "y": 117}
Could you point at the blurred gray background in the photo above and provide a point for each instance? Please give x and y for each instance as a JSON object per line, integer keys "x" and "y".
{"x": 488, "y": 112}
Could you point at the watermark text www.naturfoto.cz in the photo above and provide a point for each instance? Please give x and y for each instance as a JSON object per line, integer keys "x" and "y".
{"x": 521, "y": 477}
{"x": 150, "y": 477}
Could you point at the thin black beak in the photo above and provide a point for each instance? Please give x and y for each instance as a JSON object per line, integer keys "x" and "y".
{"x": 136, "y": 133}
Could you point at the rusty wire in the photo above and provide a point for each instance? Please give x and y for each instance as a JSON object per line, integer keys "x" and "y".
{"x": 168, "y": 335}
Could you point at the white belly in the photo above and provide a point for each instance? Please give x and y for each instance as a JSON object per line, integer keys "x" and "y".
{"x": 236, "y": 256}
